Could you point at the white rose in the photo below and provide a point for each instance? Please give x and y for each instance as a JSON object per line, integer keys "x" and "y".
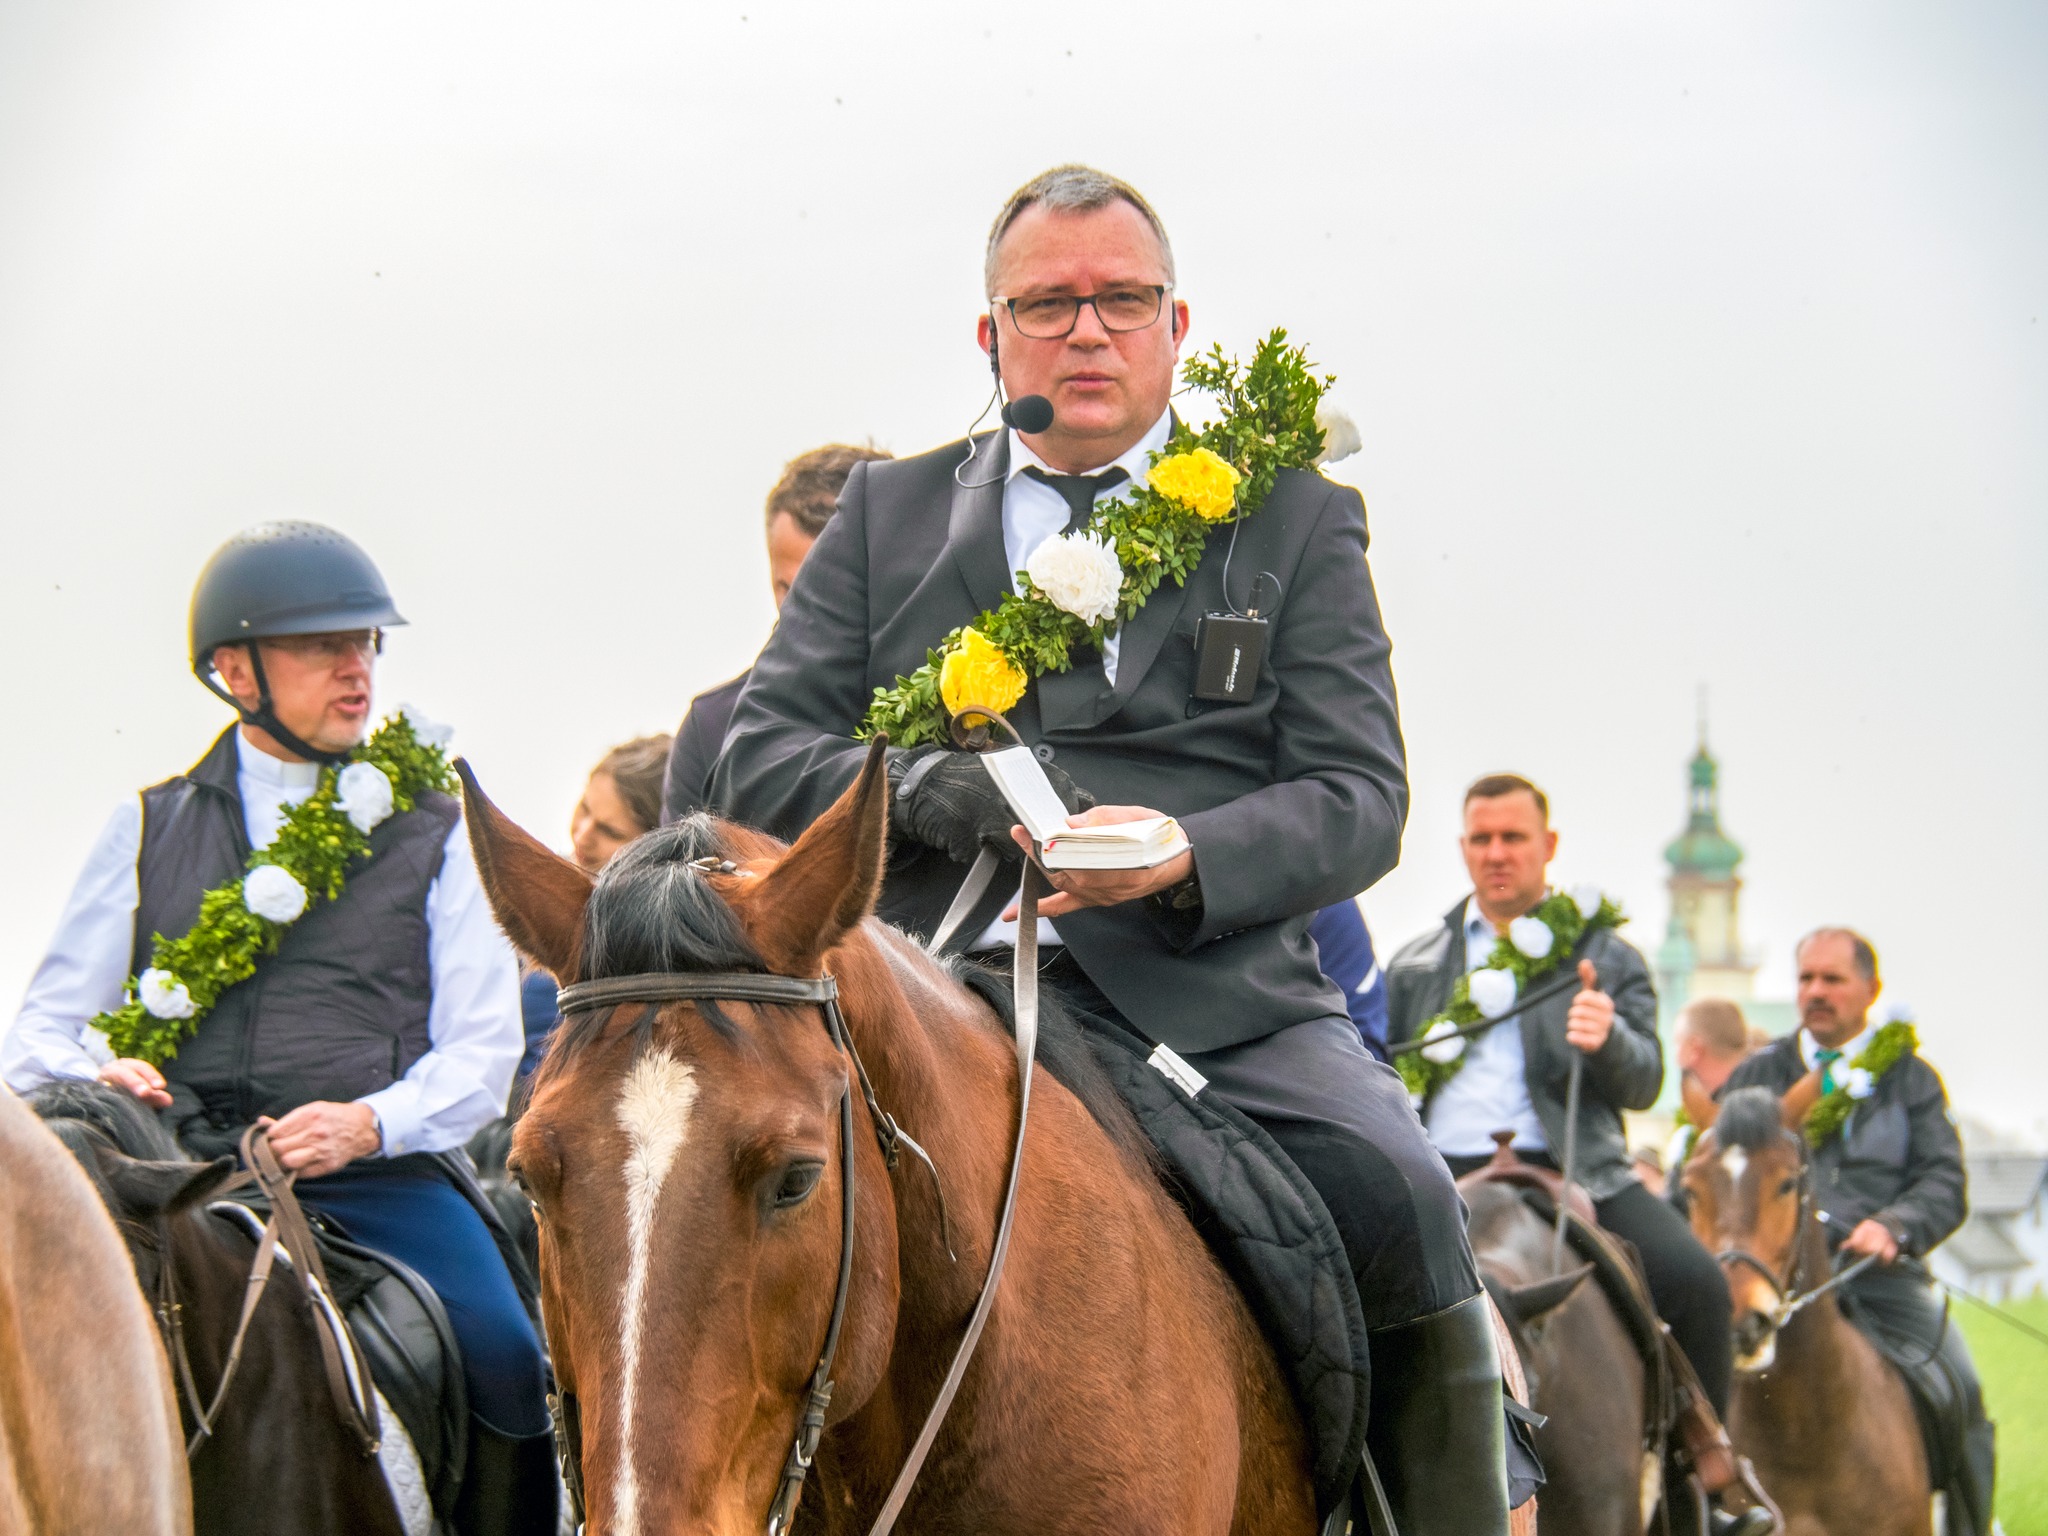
{"x": 429, "y": 733}
{"x": 1898, "y": 1013}
{"x": 1587, "y": 899}
{"x": 1340, "y": 433}
{"x": 1450, "y": 1045}
{"x": 270, "y": 891}
{"x": 1077, "y": 572}
{"x": 1860, "y": 1083}
{"x": 163, "y": 995}
{"x": 1532, "y": 936}
{"x": 1492, "y": 991}
{"x": 363, "y": 791}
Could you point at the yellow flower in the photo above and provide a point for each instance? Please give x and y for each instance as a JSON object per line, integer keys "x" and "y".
{"x": 1201, "y": 481}
{"x": 977, "y": 672}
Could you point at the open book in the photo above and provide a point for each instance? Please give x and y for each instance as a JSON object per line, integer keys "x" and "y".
{"x": 1125, "y": 845}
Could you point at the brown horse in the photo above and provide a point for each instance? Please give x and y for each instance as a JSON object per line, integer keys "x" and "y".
{"x": 89, "y": 1435}
{"x": 1826, "y": 1420}
{"x": 684, "y": 1160}
{"x": 1584, "y": 1371}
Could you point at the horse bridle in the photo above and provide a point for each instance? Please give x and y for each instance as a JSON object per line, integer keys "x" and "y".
{"x": 1791, "y": 1300}
{"x": 348, "y": 1380}
{"x": 823, "y": 991}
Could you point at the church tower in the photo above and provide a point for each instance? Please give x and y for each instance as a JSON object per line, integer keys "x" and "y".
{"x": 1702, "y": 953}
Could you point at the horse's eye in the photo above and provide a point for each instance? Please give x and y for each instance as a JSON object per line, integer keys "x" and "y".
{"x": 1787, "y": 1185}
{"x": 798, "y": 1180}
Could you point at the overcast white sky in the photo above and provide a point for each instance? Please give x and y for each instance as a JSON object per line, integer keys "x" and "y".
{"x": 1691, "y": 344}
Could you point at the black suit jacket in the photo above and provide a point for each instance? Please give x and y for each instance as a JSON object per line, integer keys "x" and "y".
{"x": 1292, "y": 801}
{"x": 1625, "y": 1073}
{"x": 686, "y": 786}
{"x": 1897, "y": 1161}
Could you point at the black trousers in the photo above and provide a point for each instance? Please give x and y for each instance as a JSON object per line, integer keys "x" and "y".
{"x": 1686, "y": 1285}
{"x": 1345, "y": 1120}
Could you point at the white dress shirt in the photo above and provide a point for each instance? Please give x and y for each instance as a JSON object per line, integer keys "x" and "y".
{"x": 1491, "y": 1091}
{"x": 473, "y": 1023}
{"x": 1032, "y": 513}
{"x": 1809, "y": 1050}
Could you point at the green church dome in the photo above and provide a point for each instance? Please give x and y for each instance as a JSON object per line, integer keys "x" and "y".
{"x": 1703, "y": 849}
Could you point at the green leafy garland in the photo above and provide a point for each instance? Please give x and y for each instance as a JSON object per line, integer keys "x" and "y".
{"x": 321, "y": 838}
{"x": 1565, "y": 916}
{"x": 1267, "y": 424}
{"x": 1888, "y": 1047}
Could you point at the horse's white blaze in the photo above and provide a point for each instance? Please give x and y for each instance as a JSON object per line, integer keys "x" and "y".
{"x": 1735, "y": 1160}
{"x": 654, "y": 1112}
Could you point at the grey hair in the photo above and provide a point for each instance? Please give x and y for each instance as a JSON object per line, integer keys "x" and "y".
{"x": 1862, "y": 955}
{"x": 1070, "y": 189}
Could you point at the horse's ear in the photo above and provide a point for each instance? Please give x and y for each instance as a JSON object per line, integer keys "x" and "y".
{"x": 146, "y": 1189}
{"x": 1798, "y": 1099}
{"x": 1701, "y": 1107}
{"x": 538, "y": 895}
{"x": 828, "y": 882}
{"x": 1541, "y": 1297}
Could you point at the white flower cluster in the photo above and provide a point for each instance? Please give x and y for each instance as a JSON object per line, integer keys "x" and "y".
{"x": 1532, "y": 936}
{"x": 270, "y": 890}
{"x": 163, "y": 995}
{"x": 1078, "y": 572}
{"x": 1587, "y": 899}
{"x": 1340, "y": 433}
{"x": 1449, "y": 1044}
{"x": 1492, "y": 991}
{"x": 428, "y": 732}
{"x": 1859, "y": 1082}
{"x": 363, "y": 793}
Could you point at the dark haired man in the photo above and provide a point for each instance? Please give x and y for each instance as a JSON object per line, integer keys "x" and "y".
{"x": 1892, "y": 1184}
{"x": 1291, "y": 801}
{"x": 383, "y": 1030}
{"x": 1515, "y": 1077}
{"x": 802, "y": 502}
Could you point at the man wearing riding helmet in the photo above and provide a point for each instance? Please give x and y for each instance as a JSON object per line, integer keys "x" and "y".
{"x": 384, "y": 1029}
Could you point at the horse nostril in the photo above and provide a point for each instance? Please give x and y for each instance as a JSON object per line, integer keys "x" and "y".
{"x": 1751, "y": 1329}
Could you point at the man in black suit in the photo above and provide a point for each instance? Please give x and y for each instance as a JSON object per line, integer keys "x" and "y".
{"x": 1891, "y": 1181}
{"x": 1291, "y": 800}
{"x": 798, "y": 509}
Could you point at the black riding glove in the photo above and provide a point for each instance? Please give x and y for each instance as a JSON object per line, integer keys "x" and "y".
{"x": 946, "y": 800}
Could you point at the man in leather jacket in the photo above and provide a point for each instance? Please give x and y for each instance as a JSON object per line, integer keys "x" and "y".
{"x": 1891, "y": 1182}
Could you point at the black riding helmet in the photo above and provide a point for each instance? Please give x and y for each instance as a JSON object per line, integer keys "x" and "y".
{"x": 277, "y": 579}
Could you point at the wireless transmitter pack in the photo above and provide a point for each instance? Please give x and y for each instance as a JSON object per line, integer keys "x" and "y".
{"x": 1229, "y": 649}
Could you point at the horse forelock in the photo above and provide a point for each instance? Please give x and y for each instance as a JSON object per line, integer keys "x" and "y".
{"x": 1749, "y": 1120}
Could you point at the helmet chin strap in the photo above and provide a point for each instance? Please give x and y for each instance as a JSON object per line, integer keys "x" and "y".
{"x": 264, "y": 716}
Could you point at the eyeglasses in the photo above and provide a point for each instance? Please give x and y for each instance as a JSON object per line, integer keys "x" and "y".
{"x": 333, "y": 648}
{"x": 1049, "y": 316}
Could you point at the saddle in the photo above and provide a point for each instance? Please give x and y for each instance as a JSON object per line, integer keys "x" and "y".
{"x": 1940, "y": 1399}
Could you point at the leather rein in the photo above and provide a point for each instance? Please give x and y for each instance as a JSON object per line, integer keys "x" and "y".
{"x": 823, "y": 992}
{"x": 286, "y": 1233}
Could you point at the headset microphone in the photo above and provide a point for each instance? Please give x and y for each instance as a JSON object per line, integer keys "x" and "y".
{"x": 1032, "y": 413}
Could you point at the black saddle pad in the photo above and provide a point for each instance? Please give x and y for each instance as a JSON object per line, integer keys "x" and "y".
{"x": 1275, "y": 1237}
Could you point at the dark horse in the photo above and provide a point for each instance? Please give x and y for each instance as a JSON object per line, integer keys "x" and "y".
{"x": 684, "y": 1158}
{"x": 89, "y": 1436}
{"x": 1827, "y": 1421}
{"x": 1583, "y": 1368}
{"x": 279, "y": 1458}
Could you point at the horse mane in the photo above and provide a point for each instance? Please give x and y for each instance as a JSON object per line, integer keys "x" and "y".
{"x": 1749, "y": 1119}
{"x": 1063, "y": 1051}
{"x": 118, "y": 1116}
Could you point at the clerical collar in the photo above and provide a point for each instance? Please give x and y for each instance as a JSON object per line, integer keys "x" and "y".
{"x": 1809, "y": 1050}
{"x": 1136, "y": 460}
{"x": 252, "y": 762}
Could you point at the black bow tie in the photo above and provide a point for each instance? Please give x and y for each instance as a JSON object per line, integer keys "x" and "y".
{"x": 1079, "y": 491}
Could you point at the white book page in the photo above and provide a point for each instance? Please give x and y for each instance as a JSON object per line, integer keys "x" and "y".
{"x": 1030, "y": 793}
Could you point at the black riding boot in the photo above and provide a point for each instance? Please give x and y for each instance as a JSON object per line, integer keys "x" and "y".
{"x": 509, "y": 1486}
{"x": 1438, "y": 1433}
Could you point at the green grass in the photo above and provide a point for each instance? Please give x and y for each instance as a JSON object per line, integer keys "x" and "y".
{"x": 2015, "y": 1372}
